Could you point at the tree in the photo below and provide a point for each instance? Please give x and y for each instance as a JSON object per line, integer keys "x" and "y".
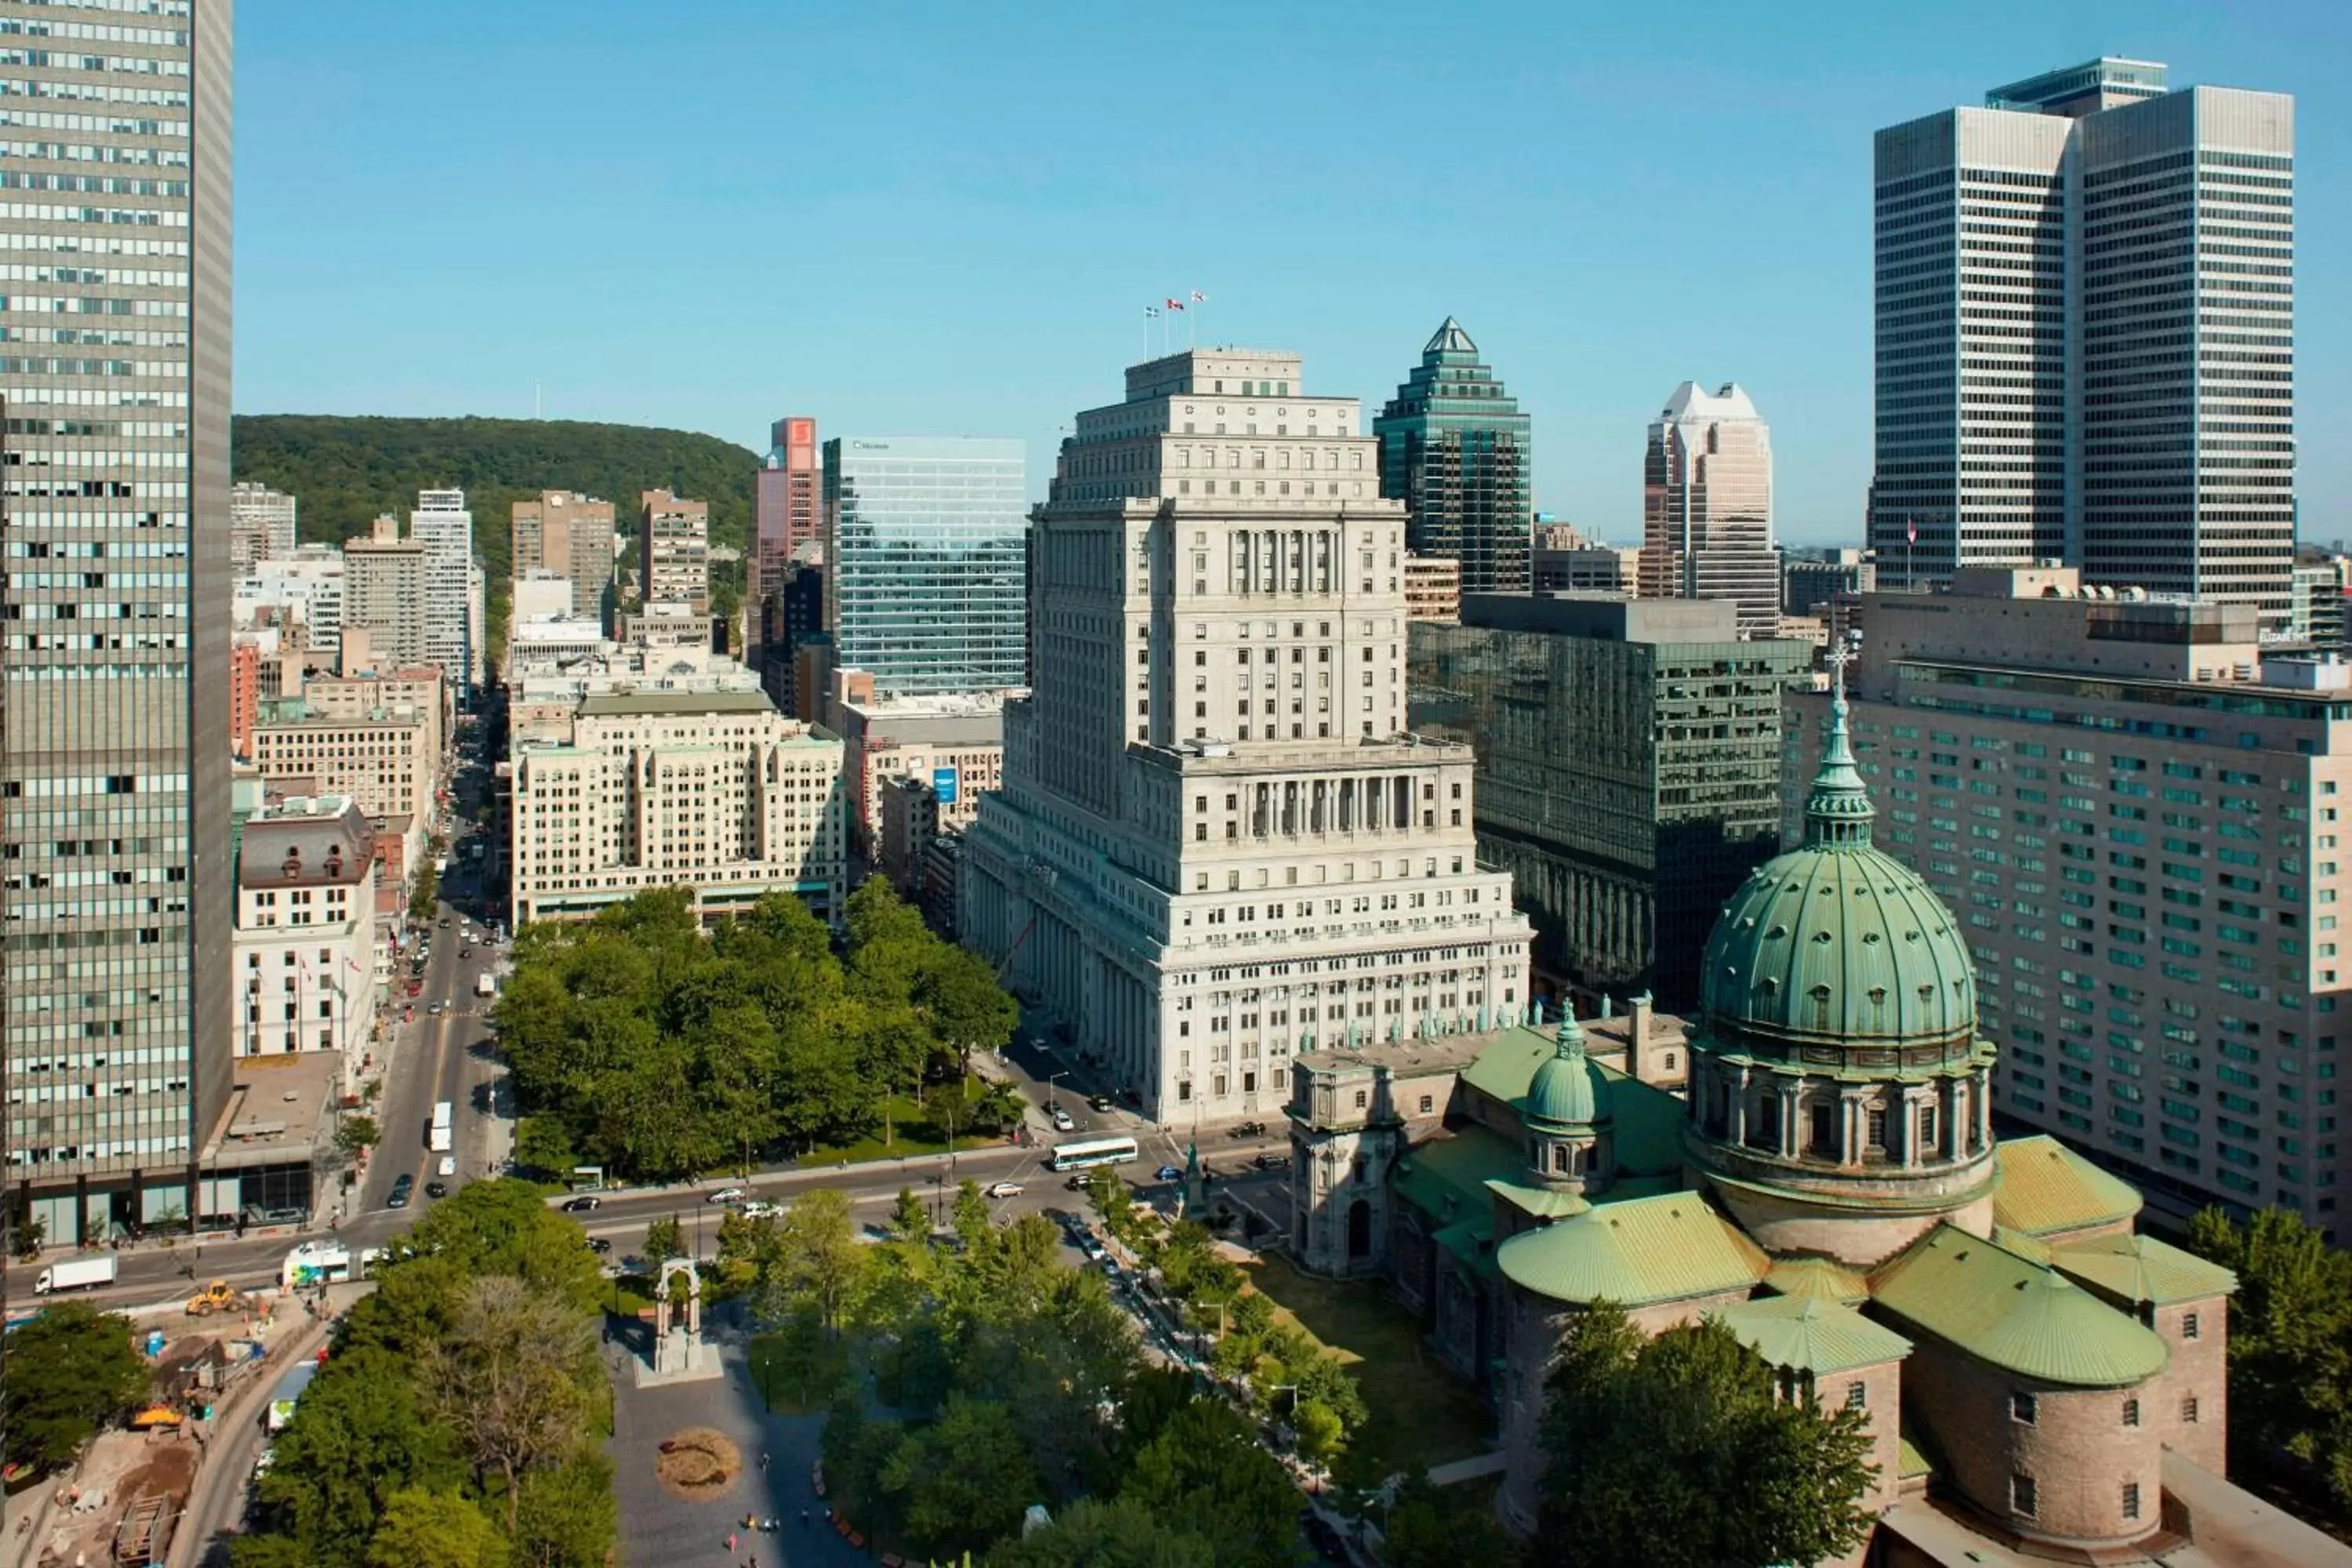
{"x": 506, "y": 1227}
{"x": 2290, "y": 1348}
{"x": 359, "y": 1435}
{"x": 967, "y": 1010}
{"x": 32, "y": 1234}
{"x": 70, "y": 1371}
{"x": 1112, "y": 1198}
{"x": 356, "y": 1133}
{"x": 664, "y": 1240}
{"x": 434, "y": 1529}
{"x": 543, "y": 1144}
{"x": 1437, "y": 1527}
{"x": 426, "y": 896}
{"x": 908, "y": 1219}
{"x": 512, "y": 1380}
{"x": 1205, "y": 1467}
{"x": 1676, "y": 1451}
{"x": 568, "y": 1518}
{"x": 817, "y": 1263}
{"x": 1120, "y": 1534}
{"x": 963, "y": 1480}
{"x": 1001, "y": 1110}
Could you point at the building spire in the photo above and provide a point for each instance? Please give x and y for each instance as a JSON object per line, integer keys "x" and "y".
{"x": 1571, "y": 1036}
{"x": 1837, "y": 813}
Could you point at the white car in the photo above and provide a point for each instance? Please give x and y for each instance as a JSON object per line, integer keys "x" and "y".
{"x": 448, "y": 1166}
{"x": 1063, "y": 1120}
{"x": 761, "y": 1208}
{"x": 1004, "y": 1190}
{"x": 727, "y": 1195}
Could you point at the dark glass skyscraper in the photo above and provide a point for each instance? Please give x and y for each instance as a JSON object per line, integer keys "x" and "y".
{"x": 1454, "y": 448}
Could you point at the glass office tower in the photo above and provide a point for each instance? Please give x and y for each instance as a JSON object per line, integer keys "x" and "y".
{"x": 1454, "y": 448}
{"x": 2085, "y": 345}
{"x": 924, "y": 548}
{"x": 114, "y": 763}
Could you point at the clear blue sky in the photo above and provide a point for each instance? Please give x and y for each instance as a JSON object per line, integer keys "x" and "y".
{"x": 946, "y": 219}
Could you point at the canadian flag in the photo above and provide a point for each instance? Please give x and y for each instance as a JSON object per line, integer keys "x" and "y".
{"x": 1911, "y": 531}
{"x": 1175, "y": 304}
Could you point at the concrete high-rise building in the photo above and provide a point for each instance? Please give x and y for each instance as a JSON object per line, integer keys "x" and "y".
{"x": 1629, "y": 770}
{"x": 1453, "y": 448}
{"x": 2085, "y": 316}
{"x": 788, "y": 517}
{"x": 384, "y": 586}
{"x": 923, "y": 555}
{"x": 2133, "y": 813}
{"x": 443, "y": 525}
{"x": 307, "y": 586}
{"x": 261, "y": 525}
{"x": 672, "y": 550}
{"x": 114, "y": 744}
{"x": 711, "y": 790}
{"x": 1214, "y": 847}
{"x": 1706, "y": 506}
{"x": 1566, "y": 561}
{"x": 570, "y": 534}
{"x": 1808, "y": 583}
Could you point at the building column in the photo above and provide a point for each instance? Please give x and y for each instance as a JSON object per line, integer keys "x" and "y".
{"x": 1788, "y": 1130}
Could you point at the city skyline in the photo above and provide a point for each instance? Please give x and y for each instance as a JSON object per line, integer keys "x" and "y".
{"x": 1615, "y": 286}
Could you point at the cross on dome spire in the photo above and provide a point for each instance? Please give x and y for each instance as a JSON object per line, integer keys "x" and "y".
{"x": 1837, "y": 813}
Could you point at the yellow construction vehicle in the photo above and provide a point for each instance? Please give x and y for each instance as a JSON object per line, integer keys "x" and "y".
{"x": 216, "y": 1297}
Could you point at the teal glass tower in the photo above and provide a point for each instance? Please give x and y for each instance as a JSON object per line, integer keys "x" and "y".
{"x": 1454, "y": 448}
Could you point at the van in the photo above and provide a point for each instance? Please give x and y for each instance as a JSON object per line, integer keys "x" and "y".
{"x": 448, "y": 1166}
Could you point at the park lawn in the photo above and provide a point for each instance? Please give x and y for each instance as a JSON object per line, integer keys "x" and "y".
{"x": 1422, "y": 1414}
{"x": 912, "y": 1133}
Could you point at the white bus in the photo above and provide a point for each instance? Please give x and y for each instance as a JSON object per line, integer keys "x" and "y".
{"x": 440, "y": 1139}
{"x": 1094, "y": 1151}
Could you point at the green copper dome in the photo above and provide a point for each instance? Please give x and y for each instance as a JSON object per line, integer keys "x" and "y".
{"x": 1838, "y": 943}
{"x": 1566, "y": 1091}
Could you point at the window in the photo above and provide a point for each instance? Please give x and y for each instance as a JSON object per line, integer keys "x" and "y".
{"x": 2189, "y": 1411}
{"x": 2131, "y": 1500}
{"x": 1427, "y": 1104}
{"x": 1360, "y": 1099}
{"x": 2023, "y": 1409}
{"x": 2131, "y": 1412}
{"x": 2188, "y": 1325}
{"x": 2020, "y": 1495}
{"x": 1857, "y": 1396}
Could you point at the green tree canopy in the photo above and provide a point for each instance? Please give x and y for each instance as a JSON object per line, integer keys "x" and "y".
{"x": 70, "y": 1371}
{"x": 434, "y": 1529}
{"x": 1675, "y": 1452}
{"x": 2290, "y": 1350}
{"x": 1120, "y": 1534}
{"x": 1205, "y": 1467}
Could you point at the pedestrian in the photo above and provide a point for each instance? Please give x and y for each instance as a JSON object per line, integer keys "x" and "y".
{"x": 764, "y": 1461}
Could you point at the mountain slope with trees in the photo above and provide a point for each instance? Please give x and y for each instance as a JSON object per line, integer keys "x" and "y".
{"x": 344, "y": 469}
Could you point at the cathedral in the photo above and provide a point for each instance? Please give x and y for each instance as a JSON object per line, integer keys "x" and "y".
{"x": 1811, "y": 1161}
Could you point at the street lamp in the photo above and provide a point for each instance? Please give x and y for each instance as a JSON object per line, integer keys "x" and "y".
{"x": 1051, "y": 1079}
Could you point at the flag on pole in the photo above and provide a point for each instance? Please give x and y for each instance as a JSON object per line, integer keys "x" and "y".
{"x": 1199, "y": 298}
{"x": 1910, "y": 530}
{"x": 1151, "y": 312}
{"x": 1175, "y": 304}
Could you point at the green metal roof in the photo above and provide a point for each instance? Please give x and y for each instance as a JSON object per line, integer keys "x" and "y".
{"x": 2047, "y": 1188}
{"x": 1837, "y": 942}
{"x": 1541, "y": 1202}
{"x": 1635, "y": 1253}
{"x": 1817, "y": 1279}
{"x": 1645, "y": 1121}
{"x": 2143, "y": 1270}
{"x": 1446, "y": 1178}
{"x": 1803, "y": 1334}
{"x": 2016, "y": 1313}
{"x": 1567, "y": 1092}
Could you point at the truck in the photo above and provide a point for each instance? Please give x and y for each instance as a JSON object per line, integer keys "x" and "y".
{"x": 315, "y": 1263}
{"x": 486, "y": 984}
{"x": 443, "y": 1137}
{"x": 76, "y": 1274}
{"x": 286, "y": 1395}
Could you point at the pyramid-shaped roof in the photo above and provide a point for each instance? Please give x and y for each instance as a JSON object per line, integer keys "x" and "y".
{"x": 1450, "y": 338}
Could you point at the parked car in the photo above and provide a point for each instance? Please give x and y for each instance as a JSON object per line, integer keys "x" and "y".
{"x": 401, "y": 1187}
{"x": 1272, "y": 1162}
{"x": 584, "y": 1204}
{"x": 727, "y": 1195}
{"x": 1063, "y": 1120}
{"x": 443, "y": 922}
{"x": 1004, "y": 1190}
{"x": 1099, "y": 1101}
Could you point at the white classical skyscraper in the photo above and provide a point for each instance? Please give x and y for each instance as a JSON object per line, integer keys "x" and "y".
{"x": 443, "y": 525}
{"x": 1706, "y": 506}
{"x": 1215, "y": 848}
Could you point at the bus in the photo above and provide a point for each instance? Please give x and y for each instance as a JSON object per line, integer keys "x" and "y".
{"x": 442, "y": 1135}
{"x": 1094, "y": 1151}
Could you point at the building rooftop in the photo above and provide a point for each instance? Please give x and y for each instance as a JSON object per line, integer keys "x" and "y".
{"x": 306, "y": 842}
{"x": 2004, "y": 1308}
{"x": 1647, "y": 1121}
{"x": 1805, "y": 1333}
{"x": 2046, "y": 1189}
{"x": 277, "y": 1106}
{"x": 1669, "y": 1247}
{"x": 1609, "y": 618}
{"x": 2140, "y": 1271}
{"x": 622, "y": 703}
